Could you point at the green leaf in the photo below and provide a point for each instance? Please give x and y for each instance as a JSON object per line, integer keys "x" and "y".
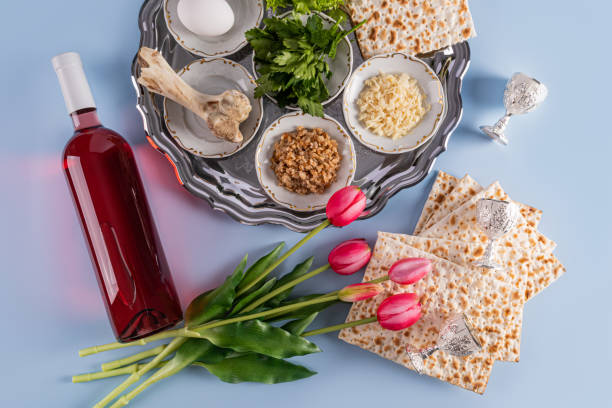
{"x": 259, "y": 337}
{"x": 286, "y": 58}
{"x": 338, "y": 15}
{"x": 200, "y": 350}
{"x": 256, "y": 368}
{"x": 303, "y": 312}
{"x": 298, "y": 326}
{"x": 260, "y": 266}
{"x": 298, "y": 271}
{"x": 189, "y": 352}
{"x": 267, "y": 84}
{"x": 250, "y": 297}
{"x": 216, "y": 303}
{"x": 311, "y": 107}
{"x": 314, "y": 24}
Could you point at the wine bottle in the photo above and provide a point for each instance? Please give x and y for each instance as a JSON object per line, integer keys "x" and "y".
{"x": 106, "y": 188}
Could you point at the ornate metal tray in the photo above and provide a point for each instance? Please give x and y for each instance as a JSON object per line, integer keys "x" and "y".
{"x": 230, "y": 185}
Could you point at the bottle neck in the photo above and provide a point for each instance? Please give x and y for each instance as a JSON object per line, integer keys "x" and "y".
{"x": 85, "y": 119}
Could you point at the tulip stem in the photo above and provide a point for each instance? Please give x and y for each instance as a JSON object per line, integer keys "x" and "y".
{"x": 168, "y": 334}
{"x": 284, "y": 287}
{"x": 132, "y": 359}
{"x": 185, "y": 333}
{"x": 196, "y": 331}
{"x": 286, "y": 255}
{"x": 98, "y": 375}
{"x": 135, "y": 377}
{"x": 339, "y": 326}
{"x": 379, "y": 280}
{"x": 192, "y": 332}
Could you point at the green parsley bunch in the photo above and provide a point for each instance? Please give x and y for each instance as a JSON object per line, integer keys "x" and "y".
{"x": 305, "y": 6}
{"x": 291, "y": 59}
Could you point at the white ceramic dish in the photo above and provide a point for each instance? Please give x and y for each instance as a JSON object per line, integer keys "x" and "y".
{"x": 212, "y": 76}
{"x": 289, "y": 123}
{"x": 395, "y": 63}
{"x": 341, "y": 66}
{"x": 247, "y": 13}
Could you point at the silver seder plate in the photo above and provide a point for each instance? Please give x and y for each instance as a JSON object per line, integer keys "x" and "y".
{"x": 230, "y": 185}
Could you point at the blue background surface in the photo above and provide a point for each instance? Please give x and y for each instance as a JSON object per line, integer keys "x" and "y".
{"x": 558, "y": 160}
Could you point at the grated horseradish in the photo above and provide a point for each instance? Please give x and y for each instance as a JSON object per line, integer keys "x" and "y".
{"x": 391, "y": 105}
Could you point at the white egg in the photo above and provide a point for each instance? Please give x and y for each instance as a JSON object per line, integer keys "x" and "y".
{"x": 208, "y": 18}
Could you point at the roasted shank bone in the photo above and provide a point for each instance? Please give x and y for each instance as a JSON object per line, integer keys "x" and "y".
{"x": 223, "y": 113}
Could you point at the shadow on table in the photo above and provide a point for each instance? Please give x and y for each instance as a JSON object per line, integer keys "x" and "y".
{"x": 484, "y": 91}
{"x": 482, "y": 101}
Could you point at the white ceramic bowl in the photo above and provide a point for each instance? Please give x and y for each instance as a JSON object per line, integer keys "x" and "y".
{"x": 247, "y": 14}
{"x": 212, "y": 76}
{"x": 395, "y": 63}
{"x": 341, "y": 66}
{"x": 265, "y": 149}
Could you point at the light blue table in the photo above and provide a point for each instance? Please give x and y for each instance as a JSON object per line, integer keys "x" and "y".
{"x": 557, "y": 161}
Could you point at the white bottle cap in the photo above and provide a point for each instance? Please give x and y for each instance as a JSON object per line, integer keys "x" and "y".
{"x": 72, "y": 79}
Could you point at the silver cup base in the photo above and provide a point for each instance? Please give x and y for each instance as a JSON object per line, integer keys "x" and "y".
{"x": 487, "y": 265}
{"x": 417, "y": 360}
{"x": 495, "y": 135}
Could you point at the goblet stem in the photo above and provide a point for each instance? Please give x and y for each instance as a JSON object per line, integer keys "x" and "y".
{"x": 487, "y": 259}
{"x": 496, "y": 132}
{"x": 417, "y": 358}
{"x": 500, "y": 125}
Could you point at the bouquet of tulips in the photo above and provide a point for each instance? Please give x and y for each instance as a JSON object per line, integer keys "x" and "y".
{"x": 229, "y": 332}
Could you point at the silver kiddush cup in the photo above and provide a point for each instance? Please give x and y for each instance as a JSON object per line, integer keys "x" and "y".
{"x": 496, "y": 218}
{"x": 456, "y": 338}
{"x": 522, "y": 95}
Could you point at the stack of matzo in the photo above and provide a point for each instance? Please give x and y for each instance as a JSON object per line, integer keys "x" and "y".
{"x": 447, "y": 233}
{"x": 410, "y": 26}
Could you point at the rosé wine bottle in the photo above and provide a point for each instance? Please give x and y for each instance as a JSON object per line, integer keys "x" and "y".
{"x": 126, "y": 252}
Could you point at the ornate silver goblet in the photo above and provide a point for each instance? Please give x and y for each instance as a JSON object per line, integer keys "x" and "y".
{"x": 522, "y": 95}
{"x": 496, "y": 218}
{"x": 456, "y": 338}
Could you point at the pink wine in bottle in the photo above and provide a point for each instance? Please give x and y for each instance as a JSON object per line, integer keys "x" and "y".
{"x": 127, "y": 255}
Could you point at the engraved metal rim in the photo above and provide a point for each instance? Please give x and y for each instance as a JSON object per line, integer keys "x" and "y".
{"x": 345, "y": 80}
{"x": 201, "y": 53}
{"x": 425, "y": 138}
{"x": 259, "y": 165}
{"x": 470, "y": 327}
{"x": 222, "y": 199}
{"x": 239, "y": 147}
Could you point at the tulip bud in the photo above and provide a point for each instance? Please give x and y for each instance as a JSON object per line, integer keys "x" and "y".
{"x": 350, "y": 256}
{"x": 345, "y": 206}
{"x": 409, "y": 270}
{"x": 359, "y": 291}
{"x": 399, "y": 311}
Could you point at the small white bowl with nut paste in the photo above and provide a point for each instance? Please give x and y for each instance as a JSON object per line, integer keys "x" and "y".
{"x": 290, "y": 123}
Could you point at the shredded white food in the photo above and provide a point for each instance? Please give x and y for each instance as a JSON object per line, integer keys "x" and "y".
{"x": 391, "y": 105}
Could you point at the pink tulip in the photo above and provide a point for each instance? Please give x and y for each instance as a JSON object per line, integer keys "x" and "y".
{"x": 359, "y": 291}
{"x": 345, "y": 206}
{"x": 350, "y": 256}
{"x": 399, "y": 311}
{"x": 409, "y": 270}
